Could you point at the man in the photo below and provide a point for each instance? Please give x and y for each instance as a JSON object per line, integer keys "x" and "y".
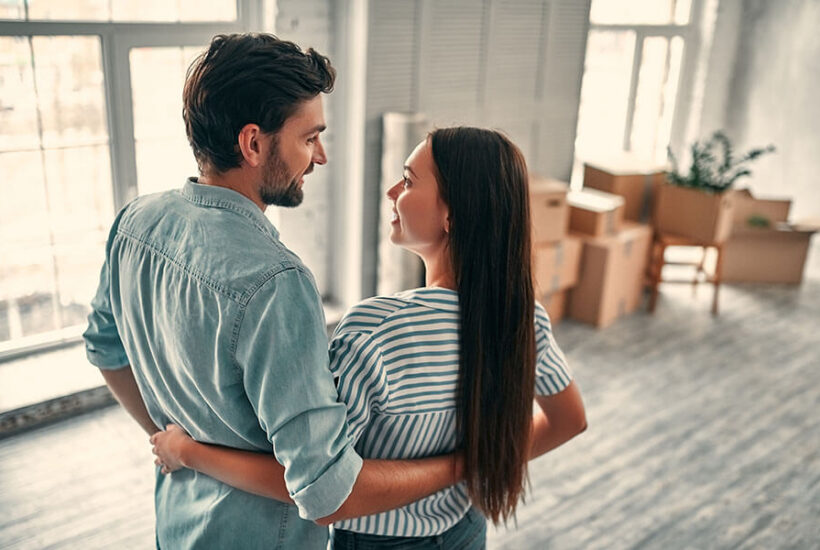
{"x": 222, "y": 326}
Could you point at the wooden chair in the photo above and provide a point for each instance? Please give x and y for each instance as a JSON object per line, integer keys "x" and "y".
{"x": 658, "y": 260}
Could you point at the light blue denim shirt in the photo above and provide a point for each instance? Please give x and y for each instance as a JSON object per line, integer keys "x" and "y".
{"x": 224, "y": 330}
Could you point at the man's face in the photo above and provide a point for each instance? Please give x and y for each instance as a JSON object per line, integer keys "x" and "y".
{"x": 293, "y": 151}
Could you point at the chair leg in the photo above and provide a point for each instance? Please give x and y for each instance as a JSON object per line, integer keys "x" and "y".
{"x": 655, "y": 273}
{"x": 717, "y": 278}
{"x": 698, "y": 271}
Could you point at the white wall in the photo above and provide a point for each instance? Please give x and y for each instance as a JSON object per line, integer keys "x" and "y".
{"x": 762, "y": 88}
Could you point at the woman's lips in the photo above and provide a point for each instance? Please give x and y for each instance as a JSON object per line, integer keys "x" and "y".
{"x": 395, "y": 218}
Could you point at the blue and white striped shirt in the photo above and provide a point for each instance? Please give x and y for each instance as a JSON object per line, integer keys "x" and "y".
{"x": 396, "y": 363}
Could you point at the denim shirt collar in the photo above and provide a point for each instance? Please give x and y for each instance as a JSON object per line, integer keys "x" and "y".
{"x": 221, "y": 197}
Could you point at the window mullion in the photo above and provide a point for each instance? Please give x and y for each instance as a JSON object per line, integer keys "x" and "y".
{"x": 117, "y": 82}
{"x": 637, "y": 58}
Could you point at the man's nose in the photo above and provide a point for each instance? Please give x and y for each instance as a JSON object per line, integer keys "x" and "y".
{"x": 319, "y": 156}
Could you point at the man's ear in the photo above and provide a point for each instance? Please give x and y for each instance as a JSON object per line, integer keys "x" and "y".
{"x": 250, "y": 144}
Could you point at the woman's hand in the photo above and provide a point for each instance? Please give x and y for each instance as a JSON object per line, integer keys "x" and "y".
{"x": 169, "y": 447}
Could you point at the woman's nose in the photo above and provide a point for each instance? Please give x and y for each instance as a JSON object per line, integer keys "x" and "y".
{"x": 393, "y": 192}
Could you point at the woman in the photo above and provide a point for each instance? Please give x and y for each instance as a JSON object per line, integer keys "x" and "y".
{"x": 454, "y": 365}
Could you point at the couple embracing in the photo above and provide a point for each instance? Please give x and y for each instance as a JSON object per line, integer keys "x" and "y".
{"x": 415, "y": 424}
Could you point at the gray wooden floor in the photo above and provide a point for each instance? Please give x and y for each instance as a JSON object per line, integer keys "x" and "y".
{"x": 703, "y": 433}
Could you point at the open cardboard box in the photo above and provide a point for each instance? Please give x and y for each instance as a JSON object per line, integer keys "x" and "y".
{"x": 764, "y": 247}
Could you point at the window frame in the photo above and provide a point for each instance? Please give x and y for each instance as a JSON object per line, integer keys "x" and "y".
{"x": 689, "y": 32}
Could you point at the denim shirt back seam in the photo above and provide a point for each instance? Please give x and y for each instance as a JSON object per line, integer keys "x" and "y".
{"x": 188, "y": 270}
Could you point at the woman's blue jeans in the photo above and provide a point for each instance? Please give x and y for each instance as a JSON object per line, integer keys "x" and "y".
{"x": 468, "y": 534}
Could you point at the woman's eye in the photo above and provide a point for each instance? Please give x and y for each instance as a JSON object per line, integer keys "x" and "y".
{"x": 406, "y": 181}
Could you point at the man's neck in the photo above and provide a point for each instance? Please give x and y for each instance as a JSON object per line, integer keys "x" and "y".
{"x": 235, "y": 180}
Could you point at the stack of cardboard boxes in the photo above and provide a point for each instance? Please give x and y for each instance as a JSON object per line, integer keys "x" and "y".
{"x": 556, "y": 255}
{"x": 614, "y": 257}
{"x": 588, "y": 262}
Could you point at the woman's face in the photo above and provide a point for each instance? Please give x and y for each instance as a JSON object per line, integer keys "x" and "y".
{"x": 420, "y": 217}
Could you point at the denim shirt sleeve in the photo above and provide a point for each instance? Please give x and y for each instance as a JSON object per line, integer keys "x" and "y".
{"x": 282, "y": 351}
{"x": 103, "y": 346}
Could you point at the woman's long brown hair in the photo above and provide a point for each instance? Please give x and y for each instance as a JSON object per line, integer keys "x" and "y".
{"x": 482, "y": 177}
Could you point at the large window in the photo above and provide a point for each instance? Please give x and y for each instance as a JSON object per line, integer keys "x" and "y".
{"x": 56, "y": 183}
{"x": 90, "y": 116}
{"x": 634, "y": 64}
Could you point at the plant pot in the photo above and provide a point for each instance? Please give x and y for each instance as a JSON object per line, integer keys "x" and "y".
{"x": 705, "y": 218}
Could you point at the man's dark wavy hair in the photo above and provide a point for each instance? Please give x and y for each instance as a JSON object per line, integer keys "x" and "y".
{"x": 243, "y": 79}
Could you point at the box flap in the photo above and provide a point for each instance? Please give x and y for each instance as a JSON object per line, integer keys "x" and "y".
{"x": 594, "y": 200}
{"x": 625, "y": 165}
{"x": 810, "y": 225}
{"x": 751, "y": 212}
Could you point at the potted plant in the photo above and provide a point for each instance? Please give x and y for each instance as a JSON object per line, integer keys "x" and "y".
{"x": 699, "y": 205}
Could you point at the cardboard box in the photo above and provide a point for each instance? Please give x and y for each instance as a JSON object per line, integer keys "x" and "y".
{"x": 548, "y": 209}
{"x": 636, "y": 182}
{"x": 595, "y": 213}
{"x": 750, "y": 209}
{"x": 766, "y": 256}
{"x": 772, "y": 254}
{"x": 705, "y": 218}
{"x": 556, "y": 266}
{"x": 555, "y": 304}
{"x": 612, "y": 276}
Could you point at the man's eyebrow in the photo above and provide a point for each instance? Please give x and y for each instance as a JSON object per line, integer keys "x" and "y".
{"x": 406, "y": 167}
{"x": 318, "y": 128}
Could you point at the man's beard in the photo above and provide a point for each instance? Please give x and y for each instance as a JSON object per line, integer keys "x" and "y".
{"x": 278, "y": 187}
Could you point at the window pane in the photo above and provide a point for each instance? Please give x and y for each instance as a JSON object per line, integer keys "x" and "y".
{"x": 27, "y": 291}
{"x": 78, "y": 274}
{"x": 80, "y": 195}
{"x": 648, "y": 12}
{"x": 74, "y": 10}
{"x": 605, "y": 93}
{"x": 163, "y": 164}
{"x": 164, "y": 158}
{"x": 18, "y": 103}
{"x": 120, "y": 10}
{"x": 23, "y": 210}
{"x": 144, "y": 10}
{"x": 178, "y": 10}
{"x": 655, "y": 98}
{"x": 70, "y": 90}
{"x": 208, "y": 10}
{"x": 11, "y": 9}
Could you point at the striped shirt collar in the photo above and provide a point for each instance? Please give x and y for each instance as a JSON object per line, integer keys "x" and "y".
{"x": 442, "y": 299}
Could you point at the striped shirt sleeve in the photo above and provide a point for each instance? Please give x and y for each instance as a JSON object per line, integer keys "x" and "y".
{"x": 356, "y": 363}
{"x": 552, "y": 374}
